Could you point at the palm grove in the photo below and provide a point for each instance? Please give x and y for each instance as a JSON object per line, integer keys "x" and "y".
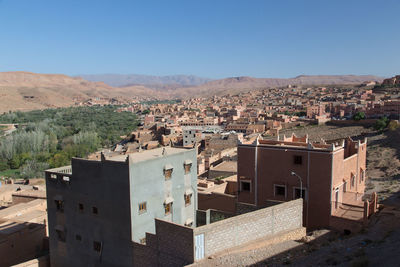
{"x": 50, "y": 138}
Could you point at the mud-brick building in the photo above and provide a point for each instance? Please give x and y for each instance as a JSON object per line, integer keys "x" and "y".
{"x": 329, "y": 177}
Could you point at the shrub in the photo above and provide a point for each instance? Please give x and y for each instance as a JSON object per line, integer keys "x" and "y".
{"x": 359, "y": 116}
{"x": 381, "y": 124}
{"x": 393, "y": 125}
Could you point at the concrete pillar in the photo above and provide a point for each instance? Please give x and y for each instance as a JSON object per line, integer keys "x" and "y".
{"x": 366, "y": 210}
{"x": 375, "y": 201}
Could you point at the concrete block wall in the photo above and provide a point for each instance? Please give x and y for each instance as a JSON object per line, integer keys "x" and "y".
{"x": 172, "y": 245}
{"x": 248, "y": 227}
{"x": 175, "y": 244}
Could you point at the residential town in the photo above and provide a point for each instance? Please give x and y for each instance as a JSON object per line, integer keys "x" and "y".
{"x": 200, "y": 177}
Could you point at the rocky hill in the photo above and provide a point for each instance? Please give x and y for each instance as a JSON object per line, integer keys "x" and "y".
{"x": 27, "y": 91}
{"x": 156, "y": 82}
{"x": 390, "y": 85}
{"x": 395, "y": 81}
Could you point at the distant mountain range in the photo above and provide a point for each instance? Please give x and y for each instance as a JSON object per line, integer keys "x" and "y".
{"x": 27, "y": 91}
{"x": 120, "y": 80}
{"x": 241, "y": 84}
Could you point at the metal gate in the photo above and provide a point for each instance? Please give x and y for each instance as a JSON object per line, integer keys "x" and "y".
{"x": 199, "y": 246}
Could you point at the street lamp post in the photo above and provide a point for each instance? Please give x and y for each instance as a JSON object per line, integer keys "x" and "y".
{"x": 301, "y": 183}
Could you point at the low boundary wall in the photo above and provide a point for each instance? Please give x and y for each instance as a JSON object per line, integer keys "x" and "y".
{"x": 174, "y": 245}
{"x": 248, "y": 227}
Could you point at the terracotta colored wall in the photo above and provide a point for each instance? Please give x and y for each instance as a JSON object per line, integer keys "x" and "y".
{"x": 246, "y": 172}
{"x": 275, "y": 167}
{"x": 344, "y": 168}
{"x": 217, "y": 201}
{"x": 232, "y": 187}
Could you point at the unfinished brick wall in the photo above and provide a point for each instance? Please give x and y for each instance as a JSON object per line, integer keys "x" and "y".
{"x": 173, "y": 244}
{"x": 244, "y": 228}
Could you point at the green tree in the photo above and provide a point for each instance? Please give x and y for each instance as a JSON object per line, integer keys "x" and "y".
{"x": 59, "y": 159}
{"x": 34, "y": 169}
{"x": 381, "y": 124}
{"x": 359, "y": 116}
{"x": 15, "y": 162}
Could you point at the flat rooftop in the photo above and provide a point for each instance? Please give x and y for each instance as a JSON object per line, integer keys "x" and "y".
{"x": 227, "y": 166}
{"x": 31, "y": 193}
{"x": 146, "y": 154}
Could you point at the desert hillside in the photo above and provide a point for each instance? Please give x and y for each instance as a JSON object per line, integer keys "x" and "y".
{"x": 151, "y": 81}
{"x": 27, "y": 91}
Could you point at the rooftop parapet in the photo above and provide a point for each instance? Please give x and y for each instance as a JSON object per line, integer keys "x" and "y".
{"x": 62, "y": 174}
{"x": 61, "y": 170}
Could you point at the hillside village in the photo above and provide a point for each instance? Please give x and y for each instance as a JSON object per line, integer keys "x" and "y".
{"x": 285, "y": 175}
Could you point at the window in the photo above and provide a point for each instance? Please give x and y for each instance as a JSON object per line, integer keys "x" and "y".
{"x": 78, "y": 237}
{"x": 298, "y": 160}
{"x": 142, "y": 207}
{"x": 168, "y": 171}
{"x": 187, "y": 167}
{"x": 167, "y": 208}
{"x": 94, "y": 210}
{"x": 53, "y": 176}
{"x": 245, "y": 186}
{"x": 143, "y": 241}
{"x": 189, "y": 223}
{"x": 297, "y": 194}
{"x": 188, "y": 199}
{"x": 353, "y": 179}
{"x": 362, "y": 175}
{"x": 60, "y": 235}
{"x": 97, "y": 246}
{"x": 59, "y": 205}
{"x": 279, "y": 190}
{"x": 66, "y": 179}
{"x": 80, "y": 206}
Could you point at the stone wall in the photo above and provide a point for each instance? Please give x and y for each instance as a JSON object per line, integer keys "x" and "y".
{"x": 248, "y": 227}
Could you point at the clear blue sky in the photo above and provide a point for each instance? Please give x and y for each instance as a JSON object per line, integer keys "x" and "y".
{"x": 215, "y": 39}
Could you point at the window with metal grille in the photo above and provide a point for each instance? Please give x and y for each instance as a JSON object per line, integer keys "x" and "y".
{"x": 188, "y": 199}
{"x": 167, "y": 174}
{"x": 142, "y": 207}
{"x": 167, "y": 208}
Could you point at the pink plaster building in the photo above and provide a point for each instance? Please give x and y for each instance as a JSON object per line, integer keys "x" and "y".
{"x": 329, "y": 177}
